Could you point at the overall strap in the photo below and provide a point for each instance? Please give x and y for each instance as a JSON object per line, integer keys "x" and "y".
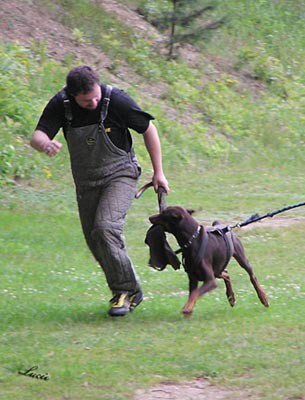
{"x": 105, "y": 103}
{"x": 68, "y": 111}
{"x": 67, "y": 107}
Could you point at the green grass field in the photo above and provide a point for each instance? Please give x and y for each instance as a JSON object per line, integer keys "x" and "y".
{"x": 54, "y": 301}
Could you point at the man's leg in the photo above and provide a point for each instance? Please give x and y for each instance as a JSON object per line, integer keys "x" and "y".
{"x": 102, "y": 212}
{"x": 114, "y": 202}
{"x": 88, "y": 200}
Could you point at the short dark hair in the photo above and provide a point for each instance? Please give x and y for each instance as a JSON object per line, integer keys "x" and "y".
{"x": 80, "y": 80}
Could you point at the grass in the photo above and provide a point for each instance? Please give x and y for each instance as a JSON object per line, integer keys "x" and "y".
{"x": 54, "y": 301}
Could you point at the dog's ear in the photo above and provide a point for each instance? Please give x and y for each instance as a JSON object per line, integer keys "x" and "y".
{"x": 190, "y": 211}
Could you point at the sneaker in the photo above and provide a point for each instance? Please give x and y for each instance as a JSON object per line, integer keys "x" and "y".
{"x": 120, "y": 305}
{"x": 135, "y": 299}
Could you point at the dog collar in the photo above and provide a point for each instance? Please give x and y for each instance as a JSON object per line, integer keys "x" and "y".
{"x": 192, "y": 238}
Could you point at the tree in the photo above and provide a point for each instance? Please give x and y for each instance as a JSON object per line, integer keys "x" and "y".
{"x": 185, "y": 24}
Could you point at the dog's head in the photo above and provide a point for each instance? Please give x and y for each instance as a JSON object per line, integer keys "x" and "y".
{"x": 172, "y": 218}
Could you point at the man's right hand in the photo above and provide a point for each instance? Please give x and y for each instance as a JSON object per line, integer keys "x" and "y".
{"x": 41, "y": 142}
{"x": 52, "y": 148}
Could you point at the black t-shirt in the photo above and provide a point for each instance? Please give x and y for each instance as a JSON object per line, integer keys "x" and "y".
{"x": 123, "y": 114}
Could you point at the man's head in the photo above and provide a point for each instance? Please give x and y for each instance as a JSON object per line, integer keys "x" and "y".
{"x": 83, "y": 84}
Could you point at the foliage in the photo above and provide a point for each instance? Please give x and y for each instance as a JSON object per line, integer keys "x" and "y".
{"x": 246, "y": 101}
{"x": 230, "y": 107}
{"x": 24, "y": 79}
{"x": 183, "y": 23}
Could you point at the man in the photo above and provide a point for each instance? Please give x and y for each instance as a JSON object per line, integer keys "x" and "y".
{"x": 96, "y": 119}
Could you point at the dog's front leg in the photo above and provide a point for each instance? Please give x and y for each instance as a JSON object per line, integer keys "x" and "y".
{"x": 196, "y": 293}
{"x": 193, "y": 284}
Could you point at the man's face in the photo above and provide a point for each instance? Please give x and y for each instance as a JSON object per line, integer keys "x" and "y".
{"x": 90, "y": 100}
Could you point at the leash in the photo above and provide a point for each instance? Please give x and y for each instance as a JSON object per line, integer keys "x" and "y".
{"x": 256, "y": 217}
{"x": 221, "y": 230}
{"x": 253, "y": 218}
{"x": 161, "y": 195}
{"x": 142, "y": 189}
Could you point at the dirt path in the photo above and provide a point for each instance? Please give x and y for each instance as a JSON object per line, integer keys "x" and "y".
{"x": 199, "y": 389}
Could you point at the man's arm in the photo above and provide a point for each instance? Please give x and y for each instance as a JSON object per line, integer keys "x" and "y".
{"x": 152, "y": 143}
{"x": 41, "y": 142}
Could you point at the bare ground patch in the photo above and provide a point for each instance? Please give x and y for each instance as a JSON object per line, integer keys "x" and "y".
{"x": 26, "y": 25}
{"x": 198, "y": 389}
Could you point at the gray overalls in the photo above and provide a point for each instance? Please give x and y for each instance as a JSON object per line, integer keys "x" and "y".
{"x": 106, "y": 178}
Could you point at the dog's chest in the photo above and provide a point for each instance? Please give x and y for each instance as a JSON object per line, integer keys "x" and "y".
{"x": 209, "y": 258}
{"x": 194, "y": 269}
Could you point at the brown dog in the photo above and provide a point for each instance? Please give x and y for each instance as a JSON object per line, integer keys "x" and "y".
{"x": 206, "y": 253}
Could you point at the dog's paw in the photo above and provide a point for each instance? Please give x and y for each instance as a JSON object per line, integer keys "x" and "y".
{"x": 232, "y": 301}
{"x": 187, "y": 312}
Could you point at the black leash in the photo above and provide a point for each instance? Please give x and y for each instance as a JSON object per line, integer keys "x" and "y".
{"x": 223, "y": 230}
{"x": 253, "y": 218}
{"x": 257, "y": 217}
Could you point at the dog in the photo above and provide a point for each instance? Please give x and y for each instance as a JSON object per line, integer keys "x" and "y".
{"x": 206, "y": 253}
